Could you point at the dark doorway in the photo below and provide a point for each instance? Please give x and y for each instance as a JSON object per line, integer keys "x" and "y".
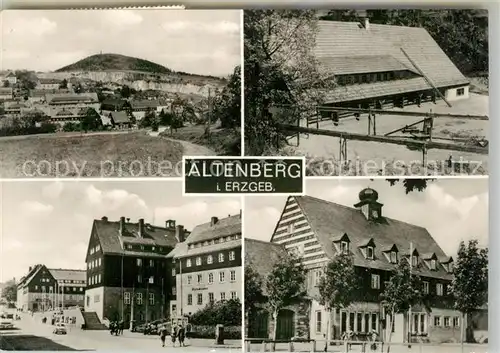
{"x": 285, "y": 328}
{"x": 259, "y": 324}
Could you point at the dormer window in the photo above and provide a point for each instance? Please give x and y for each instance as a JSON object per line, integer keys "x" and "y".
{"x": 394, "y": 257}
{"x": 450, "y": 267}
{"x": 344, "y": 247}
{"x": 433, "y": 264}
{"x": 369, "y": 252}
{"x": 414, "y": 260}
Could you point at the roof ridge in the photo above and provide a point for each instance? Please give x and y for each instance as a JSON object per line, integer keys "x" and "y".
{"x": 261, "y": 241}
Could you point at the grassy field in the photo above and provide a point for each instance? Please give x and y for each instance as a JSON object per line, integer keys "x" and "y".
{"x": 225, "y": 142}
{"x": 133, "y": 154}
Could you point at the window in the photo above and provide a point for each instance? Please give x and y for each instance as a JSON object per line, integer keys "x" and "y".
{"x": 344, "y": 247}
{"x": 211, "y": 297}
{"x": 446, "y": 321}
{"x": 433, "y": 264}
{"x": 129, "y": 246}
{"x": 188, "y": 263}
{"x": 222, "y": 276}
{"x": 221, "y": 257}
{"x": 317, "y": 277}
{"x": 139, "y": 262}
{"x": 174, "y": 291}
{"x": 394, "y": 257}
{"x": 439, "y": 289}
{"x": 374, "y": 322}
{"x": 200, "y": 278}
{"x": 210, "y": 259}
{"x": 318, "y": 322}
{"x": 152, "y": 298}
{"x": 456, "y": 321}
{"x": 173, "y": 272}
{"x": 290, "y": 228}
{"x": 232, "y": 256}
{"x": 139, "y": 278}
{"x": 139, "y": 298}
{"x": 450, "y": 267}
{"x": 414, "y": 260}
{"x": 460, "y": 91}
{"x": 99, "y": 262}
{"x": 426, "y": 287}
{"x": 369, "y": 252}
{"x": 210, "y": 278}
{"x": 375, "y": 281}
{"x": 437, "y": 320}
{"x": 189, "y": 278}
{"x": 151, "y": 263}
{"x": 234, "y": 295}
{"x": 200, "y": 299}
{"x": 198, "y": 261}
{"x": 222, "y": 296}
{"x": 232, "y": 275}
{"x": 190, "y": 299}
{"x": 98, "y": 281}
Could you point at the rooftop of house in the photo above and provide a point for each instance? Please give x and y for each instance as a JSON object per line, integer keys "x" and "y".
{"x": 58, "y": 98}
{"x": 5, "y": 90}
{"x": 332, "y": 222}
{"x": 350, "y": 47}
{"x": 112, "y": 238}
{"x": 120, "y": 117}
{"x": 114, "y": 102}
{"x": 60, "y": 274}
{"x": 145, "y": 103}
{"x": 48, "y": 81}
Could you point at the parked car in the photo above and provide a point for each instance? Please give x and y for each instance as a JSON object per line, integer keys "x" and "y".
{"x": 60, "y": 329}
{"x": 6, "y": 325}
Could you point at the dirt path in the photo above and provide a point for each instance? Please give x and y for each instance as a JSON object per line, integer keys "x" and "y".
{"x": 190, "y": 149}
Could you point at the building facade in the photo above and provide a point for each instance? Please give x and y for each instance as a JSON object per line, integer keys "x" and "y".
{"x": 207, "y": 266}
{"x": 318, "y": 230}
{"x": 43, "y": 289}
{"x": 126, "y": 269}
{"x": 48, "y": 84}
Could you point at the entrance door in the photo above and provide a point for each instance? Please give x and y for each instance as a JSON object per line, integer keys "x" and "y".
{"x": 259, "y": 323}
{"x": 285, "y": 328}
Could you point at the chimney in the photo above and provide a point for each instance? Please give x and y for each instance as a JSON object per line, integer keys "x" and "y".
{"x": 104, "y": 218}
{"x": 141, "y": 228}
{"x": 363, "y": 19}
{"x": 30, "y": 268}
{"x": 180, "y": 233}
{"x": 170, "y": 224}
{"x": 214, "y": 221}
{"x": 122, "y": 225}
{"x": 367, "y": 23}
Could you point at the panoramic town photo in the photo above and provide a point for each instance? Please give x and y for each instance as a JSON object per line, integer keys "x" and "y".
{"x": 369, "y": 92}
{"x": 117, "y": 93}
{"x": 118, "y": 266}
{"x": 396, "y": 265}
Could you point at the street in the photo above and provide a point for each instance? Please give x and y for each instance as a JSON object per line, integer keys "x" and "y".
{"x": 37, "y": 336}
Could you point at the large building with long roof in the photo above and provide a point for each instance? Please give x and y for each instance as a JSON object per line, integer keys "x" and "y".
{"x": 382, "y": 66}
{"x": 317, "y": 230}
{"x": 207, "y": 266}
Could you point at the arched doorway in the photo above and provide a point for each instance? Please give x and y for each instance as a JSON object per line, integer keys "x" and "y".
{"x": 259, "y": 325}
{"x": 285, "y": 328}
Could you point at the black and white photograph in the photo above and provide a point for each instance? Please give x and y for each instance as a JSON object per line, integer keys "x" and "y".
{"x": 360, "y": 265}
{"x": 117, "y": 93}
{"x": 369, "y": 92}
{"x": 119, "y": 266}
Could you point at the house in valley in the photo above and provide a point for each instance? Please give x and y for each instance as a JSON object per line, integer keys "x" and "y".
{"x": 120, "y": 119}
{"x": 6, "y": 93}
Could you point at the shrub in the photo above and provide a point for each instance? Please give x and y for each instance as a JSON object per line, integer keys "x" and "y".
{"x": 204, "y": 331}
{"x": 227, "y": 313}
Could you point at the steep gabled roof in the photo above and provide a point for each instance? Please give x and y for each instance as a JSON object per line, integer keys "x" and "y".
{"x": 120, "y": 117}
{"x": 108, "y": 233}
{"x": 329, "y": 221}
{"x": 261, "y": 256}
{"x": 60, "y": 274}
{"x": 347, "y": 47}
{"x": 225, "y": 226}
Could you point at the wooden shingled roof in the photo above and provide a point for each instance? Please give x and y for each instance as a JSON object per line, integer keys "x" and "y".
{"x": 330, "y": 221}
{"x": 345, "y": 46}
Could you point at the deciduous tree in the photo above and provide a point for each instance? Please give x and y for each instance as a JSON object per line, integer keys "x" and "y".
{"x": 470, "y": 280}
{"x": 337, "y": 286}
{"x": 285, "y": 285}
{"x": 9, "y": 291}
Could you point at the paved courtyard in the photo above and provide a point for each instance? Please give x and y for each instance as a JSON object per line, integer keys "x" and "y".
{"x": 36, "y": 336}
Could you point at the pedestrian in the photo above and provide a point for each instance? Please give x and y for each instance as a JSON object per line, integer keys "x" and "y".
{"x": 163, "y": 335}
{"x": 173, "y": 335}
{"x": 121, "y": 326}
{"x": 181, "y": 334}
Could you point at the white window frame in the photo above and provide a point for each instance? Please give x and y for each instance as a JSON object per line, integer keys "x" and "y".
{"x": 139, "y": 298}
{"x": 375, "y": 281}
{"x": 221, "y": 257}
{"x": 211, "y": 297}
{"x": 368, "y": 250}
{"x": 232, "y": 275}
{"x": 189, "y": 279}
{"x": 439, "y": 289}
{"x": 211, "y": 278}
{"x": 188, "y": 263}
{"x": 234, "y": 295}
{"x": 344, "y": 247}
{"x": 190, "y": 299}
{"x": 199, "y": 299}
{"x": 199, "y": 278}
{"x": 152, "y": 298}
{"x": 210, "y": 259}
{"x": 222, "y": 296}
{"x": 198, "y": 261}
{"x": 222, "y": 276}
{"x": 232, "y": 256}
{"x": 318, "y": 324}
{"x": 426, "y": 287}
{"x": 393, "y": 257}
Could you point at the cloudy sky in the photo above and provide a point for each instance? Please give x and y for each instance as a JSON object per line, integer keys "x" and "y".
{"x": 50, "y": 222}
{"x": 452, "y": 210}
{"x": 195, "y": 41}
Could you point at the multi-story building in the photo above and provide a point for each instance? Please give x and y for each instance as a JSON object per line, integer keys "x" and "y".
{"x": 54, "y": 103}
{"x": 317, "y": 230}
{"x": 48, "y": 83}
{"x": 45, "y": 288}
{"x": 207, "y": 266}
{"x": 126, "y": 269}
{"x": 11, "y": 78}
{"x": 6, "y": 94}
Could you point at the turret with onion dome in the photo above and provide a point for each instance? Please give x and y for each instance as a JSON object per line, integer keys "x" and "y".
{"x": 369, "y": 205}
